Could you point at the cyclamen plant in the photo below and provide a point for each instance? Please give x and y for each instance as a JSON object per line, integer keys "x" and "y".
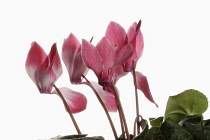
{"x": 113, "y": 57}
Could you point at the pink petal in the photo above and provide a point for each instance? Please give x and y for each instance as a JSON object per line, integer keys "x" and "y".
{"x": 135, "y": 37}
{"x": 71, "y": 46}
{"x": 139, "y": 44}
{"x": 131, "y": 31}
{"x": 49, "y": 71}
{"x": 107, "y": 98}
{"x": 79, "y": 70}
{"x": 119, "y": 72}
{"x": 71, "y": 55}
{"x": 107, "y": 53}
{"x": 129, "y": 64}
{"x": 122, "y": 54}
{"x": 35, "y": 58}
{"x": 55, "y": 61}
{"x": 91, "y": 57}
{"x": 46, "y": 80}
{"x": 70, "y": 49}
{"x": 142, "y": 84}
{"x": 116, "y": 34}
{"x": 76, "y": 101}
{"x": 138, "y": 51}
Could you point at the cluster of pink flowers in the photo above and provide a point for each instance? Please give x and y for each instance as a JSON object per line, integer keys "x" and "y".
{"x": 114, "y": 56}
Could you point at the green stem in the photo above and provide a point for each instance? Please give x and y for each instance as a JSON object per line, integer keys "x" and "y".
{"x": 68, "y": 110}
{"x": 137, "y": 101}
{"x": 104, "y": 107}
{"x": 122, "y": 112}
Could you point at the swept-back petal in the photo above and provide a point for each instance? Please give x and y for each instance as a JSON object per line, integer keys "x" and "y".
{"x": 55, "y": 61}
{"x": 139, "y": 44}
{"x": 116, "y": 34}
{"x": 79, "y": 69}
{"x": 70, "y": 49}
{"x": 49, "y": 71}
{"x": 123, "y": 53}
{"x": 142, "y": 84}
{"x": 107, "y": 98}
{"x": 135, "y": 37}
{"x": 34, "y": 60}
{"x": 107, "y": 52}
{"x": 76, "y": 101}
{"x": 91, "y": 57}
{"x": 46, "y": 80}
{"x": 131, "y": 33}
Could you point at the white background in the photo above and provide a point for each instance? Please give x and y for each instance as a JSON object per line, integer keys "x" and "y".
{"x": 176, "y": 57}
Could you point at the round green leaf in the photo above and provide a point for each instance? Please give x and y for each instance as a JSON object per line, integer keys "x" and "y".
{"x": 188, "y": 103}
{"x": 156, "y": 121}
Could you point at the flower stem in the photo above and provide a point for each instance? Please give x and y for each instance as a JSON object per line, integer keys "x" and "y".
{"x": 104, "y": 107}
{"x": 68, "y": 109}
{"x": 122, "y": 112}
{"x": 135, "y": 124}
{"x": 137, "y": 101}
{"x": 120, "y": 116}
{"x": 121, "y": 120}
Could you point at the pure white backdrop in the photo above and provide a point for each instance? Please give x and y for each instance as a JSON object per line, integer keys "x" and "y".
{"x": 176, "y": 57}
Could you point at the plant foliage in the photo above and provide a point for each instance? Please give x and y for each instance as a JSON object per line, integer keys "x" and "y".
{"x": 183, "y": 119}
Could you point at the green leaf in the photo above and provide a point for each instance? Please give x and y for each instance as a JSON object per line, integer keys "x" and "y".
{"x": 142, "y": 135}
{"x": 154, "y": 134}
{"x": 188, "y": 103}
{"x": 172, "y": 131}
{"x": 199, "y": 132}
{"x": 192, "y": 119}
{"x": 207, "y": 122}
{"x": 156, "y": 121}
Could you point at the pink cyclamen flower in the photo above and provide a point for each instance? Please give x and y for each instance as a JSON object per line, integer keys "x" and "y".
{"x": 71, "y": 55}
{"x": 118, "y": 37}
{"x": 43, "y": 69}
{"x": 104, "y": 58}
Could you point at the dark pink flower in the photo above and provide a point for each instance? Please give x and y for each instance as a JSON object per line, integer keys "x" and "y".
{"x": 43, "y": 69}
{"x": 71, "y": 55}
{"x": 104, "y": 58}
{"x": 118, "y": 37}
{"x": 76, "y": 101}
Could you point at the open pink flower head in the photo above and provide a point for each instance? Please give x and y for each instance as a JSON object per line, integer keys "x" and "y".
{"x": 71, "y": 55}
{"x": 43, "y": 69}
{"x": 118, "y": 37}
{"x": 104, "y": 58}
